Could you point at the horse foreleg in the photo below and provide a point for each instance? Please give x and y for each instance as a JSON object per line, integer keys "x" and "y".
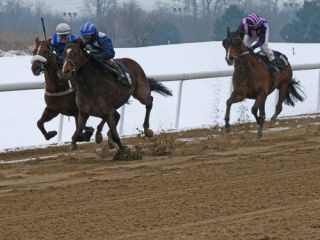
{"x": 254, "y": 110}
{"x": 47, "y": 115}
{"x": 112, "y": 123}
{"x": 261, "y": 99}
{"x": 86, "y": 135}
{"x": 110, "y": 141}
{"x": 99, "y": 137}
{"x": 234, "y": 98}
{"x": 81, "y": 122}
{"x": 227, "y": 116}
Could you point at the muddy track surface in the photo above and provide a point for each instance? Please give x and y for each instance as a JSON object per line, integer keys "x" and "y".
{"x": 199, "y": 184}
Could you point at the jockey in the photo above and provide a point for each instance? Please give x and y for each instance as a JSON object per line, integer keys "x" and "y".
{"x": 100, "y": 48}
{"x": 256, "y": 29}
{"x": 59, "y": 39}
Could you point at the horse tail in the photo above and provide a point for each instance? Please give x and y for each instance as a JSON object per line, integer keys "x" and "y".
{"x": 159, "y": 87}
{"x": 294, "y": 93}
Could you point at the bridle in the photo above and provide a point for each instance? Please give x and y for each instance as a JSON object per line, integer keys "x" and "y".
{"x": 74, "y": 63}
{"x": 232, "y": 43}
{"x": 42, "y": 59}
{"x": 44, "y": 66}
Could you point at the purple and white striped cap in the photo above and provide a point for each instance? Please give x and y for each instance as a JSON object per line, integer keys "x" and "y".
{"x": 252, "y": 20}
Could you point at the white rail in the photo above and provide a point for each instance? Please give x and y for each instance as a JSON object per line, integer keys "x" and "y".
{"x": 162, "y": 78}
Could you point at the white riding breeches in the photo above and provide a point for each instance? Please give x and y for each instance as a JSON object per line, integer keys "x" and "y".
{"x": 247, "y": 40}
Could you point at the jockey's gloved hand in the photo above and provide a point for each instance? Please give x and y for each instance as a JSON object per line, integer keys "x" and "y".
{"x": 251, "y": 50}
{"x": 97, "y": 56}
{"x": 94, "y": 51}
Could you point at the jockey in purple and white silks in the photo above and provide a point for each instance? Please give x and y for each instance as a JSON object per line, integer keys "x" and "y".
{"x": 256, "y": 29}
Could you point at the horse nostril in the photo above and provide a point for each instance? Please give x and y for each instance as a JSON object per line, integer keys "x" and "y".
{"x": 36, "y": 70}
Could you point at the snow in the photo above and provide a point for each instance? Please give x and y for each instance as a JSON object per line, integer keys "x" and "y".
{"x": 203, "y": 101}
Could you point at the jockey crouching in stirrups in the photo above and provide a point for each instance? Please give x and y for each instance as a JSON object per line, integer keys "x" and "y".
{"x": 256, "y": 29}
{"x": 101, "y": 49}
{"x": 59, "y": 39}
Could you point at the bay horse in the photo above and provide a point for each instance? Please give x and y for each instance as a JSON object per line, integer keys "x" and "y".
{"x": 99, "y": 92}
{"x": 59, "y": 94}
{"x": 252, "y": 79}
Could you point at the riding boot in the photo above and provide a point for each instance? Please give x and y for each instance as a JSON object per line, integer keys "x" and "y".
{"x": 120, "y": 73}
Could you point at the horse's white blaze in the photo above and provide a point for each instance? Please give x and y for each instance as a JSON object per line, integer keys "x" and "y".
{"x": 38, "y": 52}
{"x": 69, "y": 50}
{"x": 228, "y": 54}
{"x": 64, "y": 66}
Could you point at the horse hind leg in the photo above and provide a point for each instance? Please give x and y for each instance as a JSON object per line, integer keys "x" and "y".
{"x": 145, "y": 98}
{"x": 47, "y": 115}
{"x": 282, "y": 94}
{"x": 147, "y": 131}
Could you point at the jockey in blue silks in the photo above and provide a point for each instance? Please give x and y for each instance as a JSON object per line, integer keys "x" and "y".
{"x": 59, "y": 39}
{"x": 256, "y": 29}
{"x": 100, "y": 47}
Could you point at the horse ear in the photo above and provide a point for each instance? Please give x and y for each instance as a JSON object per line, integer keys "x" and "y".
{"x": 49, "y": 41}
{"x": 228, "y": 31}
{"x": 36, "y": 41}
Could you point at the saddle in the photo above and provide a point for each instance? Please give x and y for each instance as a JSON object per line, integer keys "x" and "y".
{"x": 280, "y": 59}
{"x": 119, "y": 70}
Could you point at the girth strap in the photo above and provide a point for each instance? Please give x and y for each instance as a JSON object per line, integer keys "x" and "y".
{"x": 62, "y": 93}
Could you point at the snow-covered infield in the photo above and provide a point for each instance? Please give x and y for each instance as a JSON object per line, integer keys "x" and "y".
{"x": 203, "y": 100}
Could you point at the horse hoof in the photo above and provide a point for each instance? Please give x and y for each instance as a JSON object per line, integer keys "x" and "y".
{"x": 111, "y": 145}
{"x": 123, "y": 154}
{"x": 272, "y": 123}
{"x": 99, "y": 138}
{"x": 89, "y": 130}
{"x": 73, "y": 147}
{"x": 51, "y": 134}
{"x": 148, "y": 133}
{"x": 259, "y": 135}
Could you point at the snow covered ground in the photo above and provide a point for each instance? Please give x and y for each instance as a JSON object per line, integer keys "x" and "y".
{"x": 203, "y": 101}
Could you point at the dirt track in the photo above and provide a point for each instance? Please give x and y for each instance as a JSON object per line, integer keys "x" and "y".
{"x": 210, "y": 185}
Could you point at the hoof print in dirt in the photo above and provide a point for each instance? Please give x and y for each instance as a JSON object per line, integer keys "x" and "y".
{"x": 128, "y": 154}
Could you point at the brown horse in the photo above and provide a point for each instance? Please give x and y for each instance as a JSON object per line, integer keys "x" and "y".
{"x": 99, "y": 92}
{"x": 59, "y": 94}
{"x": 252, "y": 79}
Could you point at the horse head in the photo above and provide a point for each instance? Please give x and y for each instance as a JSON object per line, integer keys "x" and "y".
{"x": 42, "y": 54}
{"x": 234, "y": 46}
{"x": 74, "y": 58}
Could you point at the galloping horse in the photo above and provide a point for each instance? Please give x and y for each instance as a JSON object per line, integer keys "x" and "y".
{"x": 252, "y": 79}
{"x": 59, "y": 95}
{"x": 99, "y": 92}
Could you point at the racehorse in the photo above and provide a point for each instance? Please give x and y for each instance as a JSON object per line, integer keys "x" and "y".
{"x": 252, "y": 79}
{"x": 99, "y": 92}
{"x": 59, "y": 94}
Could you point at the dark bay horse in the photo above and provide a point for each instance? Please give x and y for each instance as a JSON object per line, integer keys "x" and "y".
{"x": 99, "y": 93}
{"x": 252, "y": 79}
{"x": 59, "y": 95}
